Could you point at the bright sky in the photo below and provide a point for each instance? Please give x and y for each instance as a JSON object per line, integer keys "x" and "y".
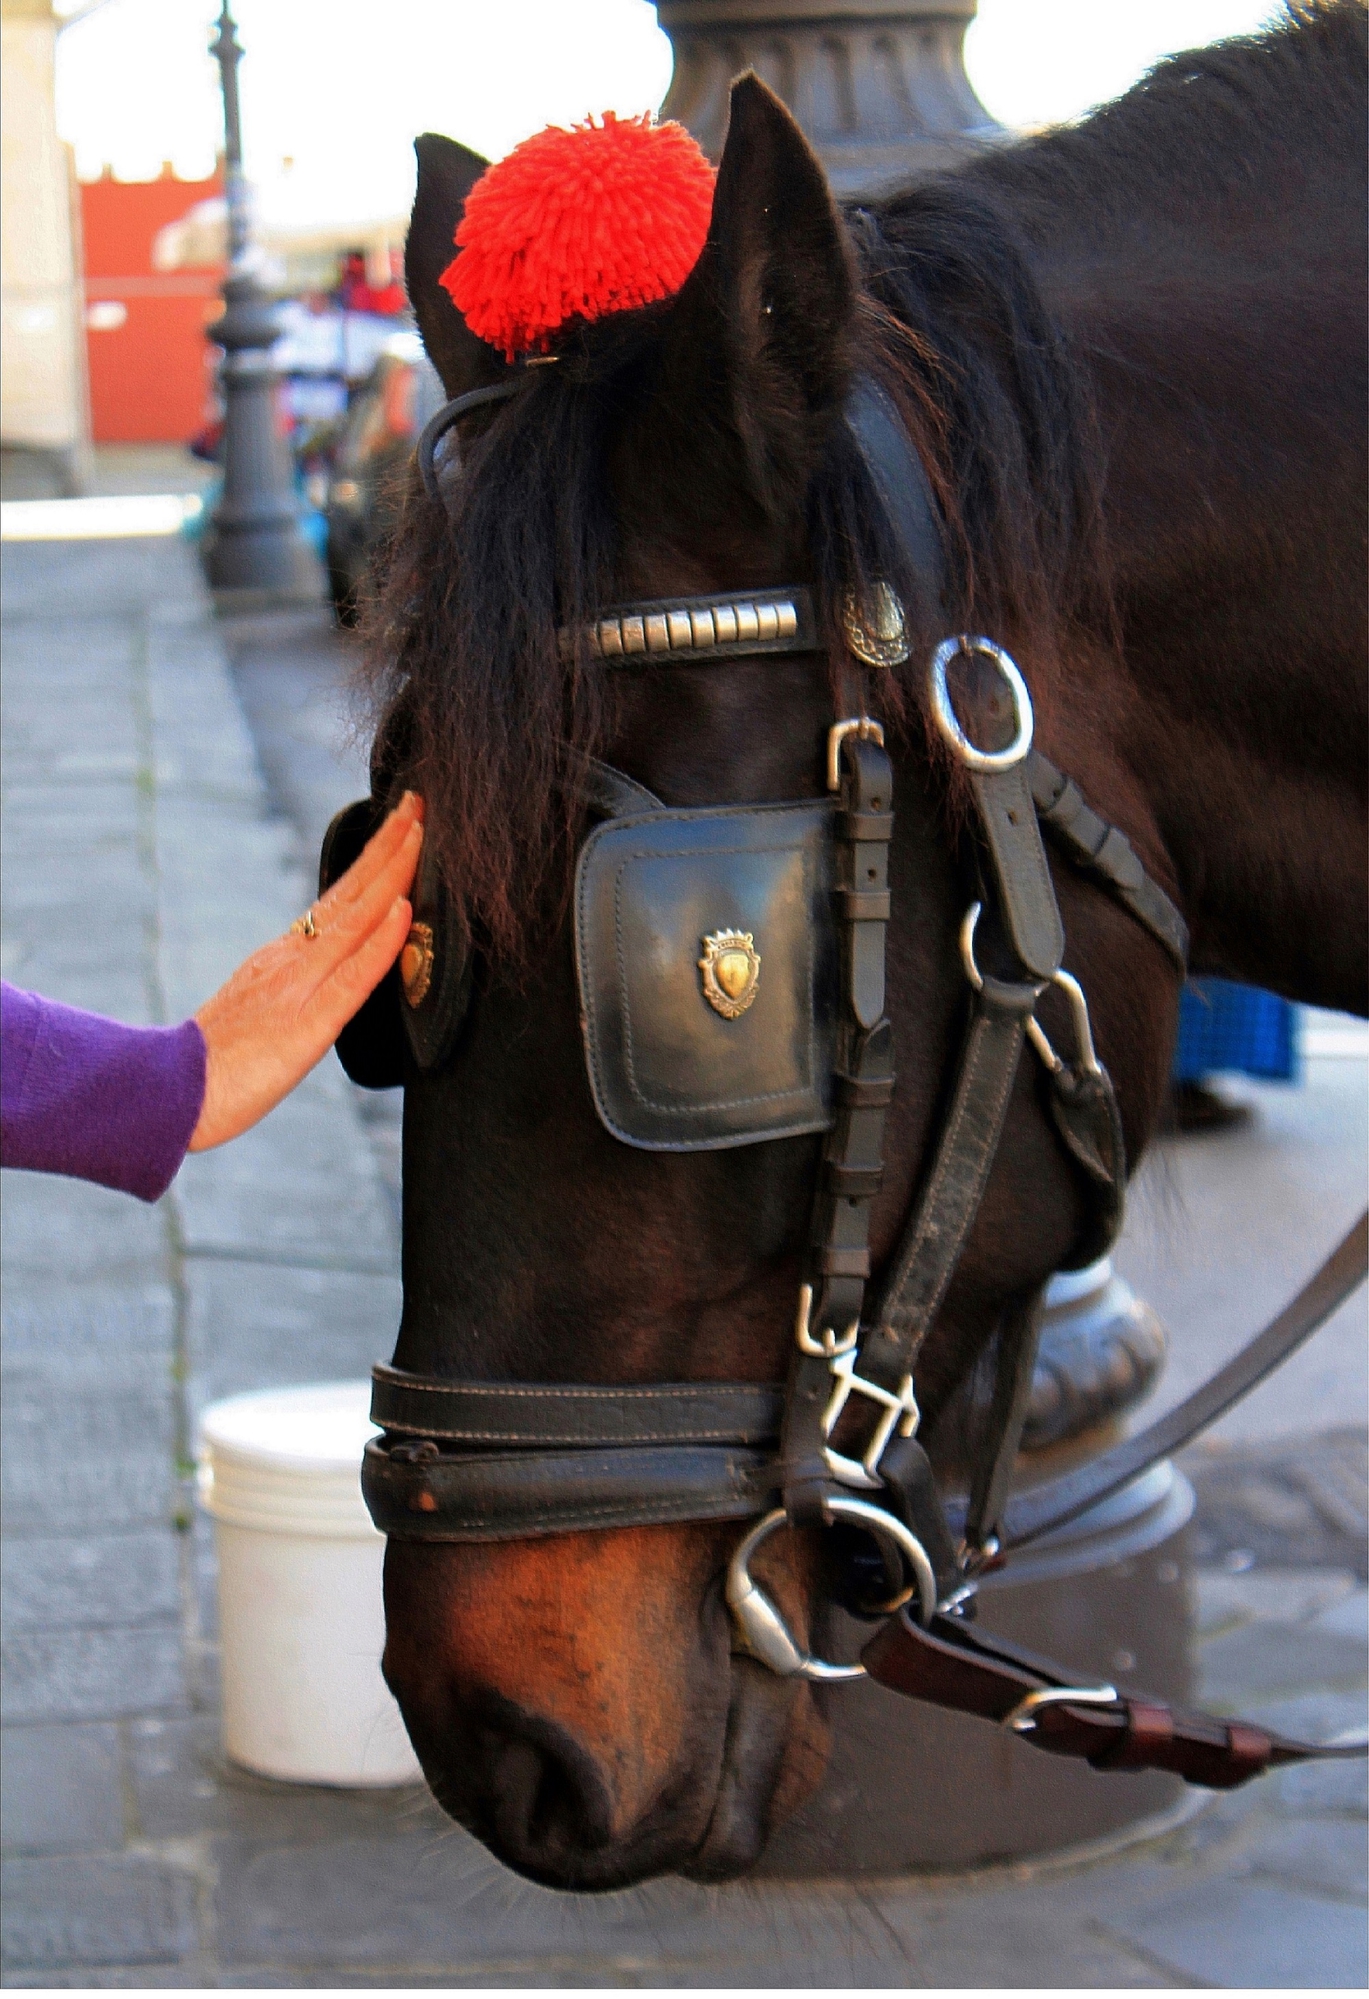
{"x": 342, "y": 86}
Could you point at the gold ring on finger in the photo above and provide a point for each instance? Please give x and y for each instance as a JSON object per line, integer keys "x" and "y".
{"x": 304, "y": 926}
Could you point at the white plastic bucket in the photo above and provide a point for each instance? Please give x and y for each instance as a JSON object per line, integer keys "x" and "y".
{"x": 301, "y": 1620}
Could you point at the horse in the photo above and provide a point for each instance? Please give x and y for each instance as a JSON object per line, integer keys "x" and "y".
{"x": 1130, "y": 358}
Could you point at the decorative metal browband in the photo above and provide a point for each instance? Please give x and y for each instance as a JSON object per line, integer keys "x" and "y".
{"x": 702, "y": 627}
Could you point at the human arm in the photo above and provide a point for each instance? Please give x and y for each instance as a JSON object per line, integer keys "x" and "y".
{"x": 93, "y": 1098}
{"x": 97, "y": 1100}
{"x": 284, "y": 1007}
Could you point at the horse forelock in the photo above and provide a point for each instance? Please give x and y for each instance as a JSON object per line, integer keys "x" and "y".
{"x": 465, "y": 673}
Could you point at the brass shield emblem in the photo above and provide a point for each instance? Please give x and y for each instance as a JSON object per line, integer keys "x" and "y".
{"x": 416, "y": 964}
{"x": 731, "y": 968}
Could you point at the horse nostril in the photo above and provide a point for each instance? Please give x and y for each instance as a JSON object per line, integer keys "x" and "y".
{"x": 543, "y": 1806}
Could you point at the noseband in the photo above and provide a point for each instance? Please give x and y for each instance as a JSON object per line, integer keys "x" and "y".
{"x": 837, "y": 1445}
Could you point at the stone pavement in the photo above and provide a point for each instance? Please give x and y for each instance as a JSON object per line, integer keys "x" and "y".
{"x": 144, "y": 855}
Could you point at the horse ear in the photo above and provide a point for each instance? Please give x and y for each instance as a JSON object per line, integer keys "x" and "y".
{"x": 446, "y": 174}
{"x": 773, "y": 294}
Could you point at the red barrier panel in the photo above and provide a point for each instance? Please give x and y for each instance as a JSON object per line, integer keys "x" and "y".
{"x": 150, "y": 364}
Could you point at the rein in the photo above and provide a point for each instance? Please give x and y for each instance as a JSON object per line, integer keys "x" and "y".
{"x": 503, "y": 1460}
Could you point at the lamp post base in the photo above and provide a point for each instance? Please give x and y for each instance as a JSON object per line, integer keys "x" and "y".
{"x": 253, "y": 541}
{"x": 307, "y": 589}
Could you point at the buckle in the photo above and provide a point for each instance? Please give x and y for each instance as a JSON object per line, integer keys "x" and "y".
{"x": 1021, "y": 1720}
{"x": 900, "y": 1408}
{"x": 858, "y": 725}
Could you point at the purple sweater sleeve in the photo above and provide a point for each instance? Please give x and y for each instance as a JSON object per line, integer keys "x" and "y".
{"x": 89, "y": 1097}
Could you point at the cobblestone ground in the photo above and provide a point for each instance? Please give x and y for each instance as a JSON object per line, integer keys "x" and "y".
{"x": 143, "y": 858}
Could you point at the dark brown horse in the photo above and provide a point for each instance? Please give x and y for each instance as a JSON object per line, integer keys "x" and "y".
{"x": 1131, "y": 356}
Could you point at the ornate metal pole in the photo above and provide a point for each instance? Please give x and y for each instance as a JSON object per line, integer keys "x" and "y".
{"x": 880, "y": 89}
{"x": 254, "y": 541}
{"x": 879, "y": 86}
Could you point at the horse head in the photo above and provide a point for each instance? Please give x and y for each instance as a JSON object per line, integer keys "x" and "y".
{"x": 577, "y": 1699}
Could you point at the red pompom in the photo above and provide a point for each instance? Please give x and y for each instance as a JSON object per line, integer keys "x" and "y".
{"x": 571, "y": 225}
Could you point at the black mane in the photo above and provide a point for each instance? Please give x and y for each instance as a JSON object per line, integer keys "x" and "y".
{"x": 475, "y": 702}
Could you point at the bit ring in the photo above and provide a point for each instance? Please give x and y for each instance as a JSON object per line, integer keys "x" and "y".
{"x": 763, "y": 1633}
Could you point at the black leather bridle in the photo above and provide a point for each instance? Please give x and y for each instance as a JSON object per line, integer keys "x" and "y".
{"x": 477, "y": 1460}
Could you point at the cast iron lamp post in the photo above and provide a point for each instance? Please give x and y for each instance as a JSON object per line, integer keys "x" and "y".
{"x": 254, "y": 542}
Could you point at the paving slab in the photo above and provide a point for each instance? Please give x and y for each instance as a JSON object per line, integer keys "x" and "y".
{"x": 84, "y": 1335}
{"x": 1264, "y": 1659}
{"x": 1319, "y": 1857}
{"x": 89, "y": 1580}
{"x": 83, "y": 1675}
{"x": 173, "y": 1976}
{"x": 64, "y": 583}
{"x": 421, "y": 1899}
{"x": 63, "y": 1231}
{"x": 1348, "y": 1618}
{"x": 181, "y": 1785}
{"x": 1271, "y": 1596}
{"x": 116, "y": 989}
{"x": 300, "y": 1187}
{"x": 1223, "y": 1229}
{"x": 1252, "y": 1933}
{"x": 61, "y": 1788}
{"x": 1316, "y": 1716}
{"x": 110, "y": 1460}
{"x": 1314, "y": 1788}
{"x": 79, "y": 1910}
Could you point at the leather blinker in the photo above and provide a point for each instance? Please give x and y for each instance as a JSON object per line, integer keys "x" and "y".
{"x": 417, "y": 1011}
{"x": 371, "y": 1045}
{"x": 705, "y": 950}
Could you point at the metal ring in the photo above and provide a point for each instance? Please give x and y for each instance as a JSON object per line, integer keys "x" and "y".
{"x": 878, "y": 1521}
{"x": 1083, "y": 1032}
{"x": 304, "y": 926}
{"x": 947, "y": 721}
{"x": 969, "y": 923}
{"x": 764, "y": 1633}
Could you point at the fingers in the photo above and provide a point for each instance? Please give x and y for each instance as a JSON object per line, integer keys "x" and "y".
{"x": 279, "y": 1013}
{"x": 377, "y": 855}
{"x": 358, "y": 975}
{"x": 341, "y": 930}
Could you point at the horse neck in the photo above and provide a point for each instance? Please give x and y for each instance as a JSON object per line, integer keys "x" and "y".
{"x": 1229, "y": 386}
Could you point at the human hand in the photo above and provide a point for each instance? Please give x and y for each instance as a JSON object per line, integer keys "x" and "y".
{"x": 285, "y": 1006}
